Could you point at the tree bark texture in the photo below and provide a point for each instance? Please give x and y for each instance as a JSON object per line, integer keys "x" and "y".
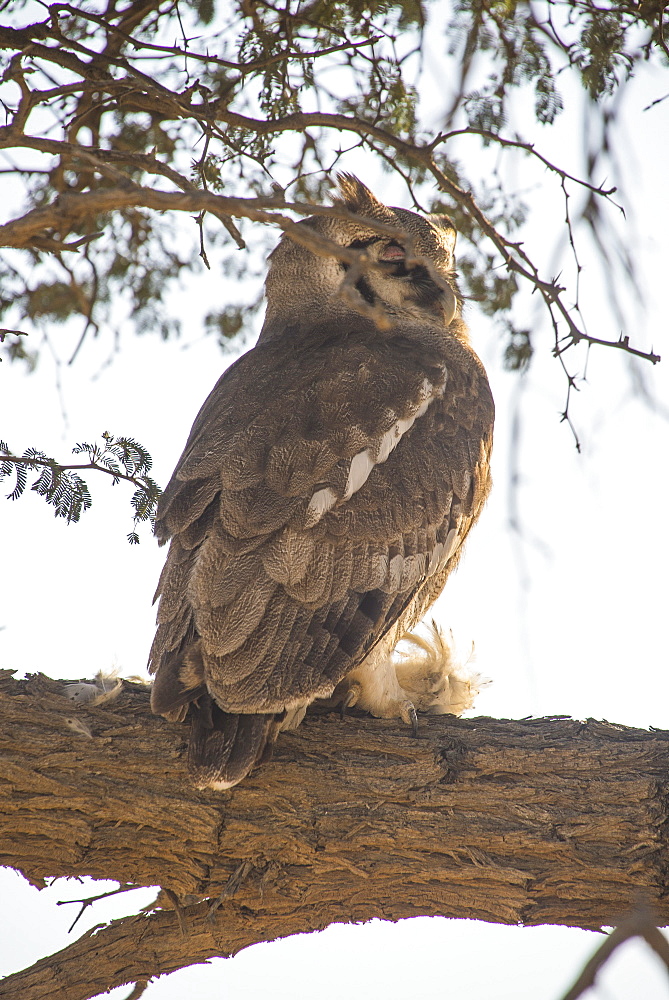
{"x": 532, "y": 821}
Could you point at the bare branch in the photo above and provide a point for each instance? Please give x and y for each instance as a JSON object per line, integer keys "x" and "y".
{"x": 528, "y": 147}
{"x": 85, "y": 903}
{"x": 639, "y": 924}
{"x": 623, "y": 343}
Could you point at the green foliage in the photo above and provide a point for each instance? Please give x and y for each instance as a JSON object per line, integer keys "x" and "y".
{"x": 205, "y": 10}
{"x": 385, "y": 99}
{"x": 218, "y": 97}
{"x": 227, "y": 323}
{"x": 54, "y": 300}
{"x": 60, "y": 487}
{"x": 600, "y": 53}
{"x": 486, "y": 112}
{"x": 518, "y": 349}
{"x": 122, "y": 458}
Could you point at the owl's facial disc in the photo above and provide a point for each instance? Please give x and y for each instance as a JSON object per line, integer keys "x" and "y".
{"x": 402, "y": 284}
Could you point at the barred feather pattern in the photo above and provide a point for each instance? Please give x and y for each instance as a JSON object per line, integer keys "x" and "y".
{"x": 322, "y": 499}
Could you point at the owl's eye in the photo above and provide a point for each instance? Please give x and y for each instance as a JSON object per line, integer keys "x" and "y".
{"x": 392, "y": 253}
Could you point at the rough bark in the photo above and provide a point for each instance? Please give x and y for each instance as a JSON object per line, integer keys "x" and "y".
{"x": 533, "y": 821}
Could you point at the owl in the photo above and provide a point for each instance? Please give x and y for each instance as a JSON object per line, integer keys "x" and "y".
{"x": 325, "y": 492}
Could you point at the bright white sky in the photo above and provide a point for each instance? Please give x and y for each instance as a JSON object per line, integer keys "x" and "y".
{"x": 568, "y": 619}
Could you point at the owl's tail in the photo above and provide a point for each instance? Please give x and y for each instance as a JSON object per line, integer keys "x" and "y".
{"x": 223, "y": 747}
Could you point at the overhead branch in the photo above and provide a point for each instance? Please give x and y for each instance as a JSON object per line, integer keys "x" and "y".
{"x": 35, "y": 229}
{"x": 121, "y": 101}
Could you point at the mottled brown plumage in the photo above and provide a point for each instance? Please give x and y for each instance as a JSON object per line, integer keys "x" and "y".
{"x": 324, "y": 492}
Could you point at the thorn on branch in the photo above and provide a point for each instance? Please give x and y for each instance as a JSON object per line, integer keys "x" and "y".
{"x": 85, "y": 903}
{"x": 623, "y": 344}
{"x": 4, "y": 332}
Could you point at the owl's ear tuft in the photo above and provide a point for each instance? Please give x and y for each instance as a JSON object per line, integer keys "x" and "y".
{"x": 357, "y": 198}
{"x": 441, "y": 221}
{"x": 446, "y": 229}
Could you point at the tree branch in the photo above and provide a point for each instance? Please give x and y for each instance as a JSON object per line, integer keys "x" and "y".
{"x": 639, "y": 924}
{"x": 138, "y": 948}
{"x": 58, "y": 467}
{"x": 537, "y": 821}
{"x": 71, "y": 208}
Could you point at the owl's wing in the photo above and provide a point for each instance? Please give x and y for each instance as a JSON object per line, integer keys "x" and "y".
{"x": 323, "y": 494}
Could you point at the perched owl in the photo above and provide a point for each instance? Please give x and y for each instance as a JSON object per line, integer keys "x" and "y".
{"x": 324, "y": 493}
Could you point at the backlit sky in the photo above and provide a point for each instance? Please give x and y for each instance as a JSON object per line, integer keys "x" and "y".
{"x": 568, "y": 617}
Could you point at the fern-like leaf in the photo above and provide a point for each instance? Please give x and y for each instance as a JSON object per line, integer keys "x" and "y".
{"x": 21, "y": 480}
{"x": 65, "y": 490}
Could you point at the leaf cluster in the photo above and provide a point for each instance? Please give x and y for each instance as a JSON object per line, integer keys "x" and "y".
{"x": 62, "y": 487}
{"x": 107, "y": 107}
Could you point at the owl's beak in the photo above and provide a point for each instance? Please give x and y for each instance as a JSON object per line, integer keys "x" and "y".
{"x": 449, "y": 306}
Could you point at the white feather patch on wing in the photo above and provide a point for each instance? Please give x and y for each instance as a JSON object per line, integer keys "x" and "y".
{"x": 358, "y": 473}
{"x": 321, "y": 502}
{"x": 451, "y": 544}
{"x": 443, "y": 551}
{"x": 378, "y": 451}
{"x": 395, "y": 573}
{"x": 435, "y": 558}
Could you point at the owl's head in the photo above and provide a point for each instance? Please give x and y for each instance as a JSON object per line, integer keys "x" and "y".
{"x": 406, "y": 269}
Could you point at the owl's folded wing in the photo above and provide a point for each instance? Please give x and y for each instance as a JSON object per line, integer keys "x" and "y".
{"x": 322, "y": 496}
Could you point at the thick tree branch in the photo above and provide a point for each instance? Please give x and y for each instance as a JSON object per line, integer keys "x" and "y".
{"x": 134, "y": 949}
{"x": 538, "y": 821}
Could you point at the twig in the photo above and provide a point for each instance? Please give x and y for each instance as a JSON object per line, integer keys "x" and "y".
{"x": 231, "y": 887}
{"x": 138, "y": 989}
{"x": 528, "y": 147}
{"x": 639, "y": 924}
{"x": 178, "y": 909}
{"x": 175, "y": 50}
{"x": 58, "y": 468}
{"x": 623, "y": 343}
{"x": 85, "y": 903}
{"x": 5, "y": 332}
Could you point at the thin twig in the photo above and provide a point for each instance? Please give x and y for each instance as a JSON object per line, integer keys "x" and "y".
{"x": 639, "y": 924}
{"x": 623, "y": 343}
{"x": 138, "y": 989}
{"x": 58, "y": 468}
{"x": 85, "y": 903}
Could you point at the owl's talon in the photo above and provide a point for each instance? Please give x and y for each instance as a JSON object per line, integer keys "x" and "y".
{"x": 349, "y": 699}
{"x": 409, "y": 716}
